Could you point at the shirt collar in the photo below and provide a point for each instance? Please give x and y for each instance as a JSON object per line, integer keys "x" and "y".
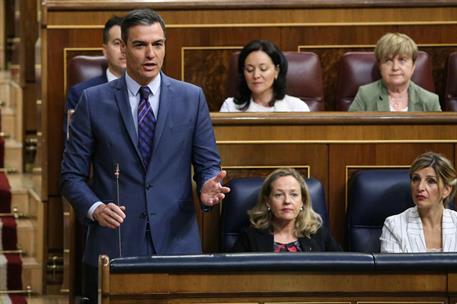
{"x": 134, "y": 86}
{"x": 110, "y": 76}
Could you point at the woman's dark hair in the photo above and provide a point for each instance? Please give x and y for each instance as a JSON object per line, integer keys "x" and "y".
{"x": 243, "y": 96}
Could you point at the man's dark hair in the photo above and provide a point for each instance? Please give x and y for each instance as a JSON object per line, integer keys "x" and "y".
{"x": 140, "y": 17}
{"x": 113, "y": 21}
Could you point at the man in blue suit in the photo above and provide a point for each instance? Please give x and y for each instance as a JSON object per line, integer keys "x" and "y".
{"x": 116, "y": 64}
{"x": 154, "y": 212}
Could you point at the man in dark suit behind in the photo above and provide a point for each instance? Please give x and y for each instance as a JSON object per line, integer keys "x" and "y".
{"x": 154, "y": 212}
{"x": 116, "y": 64}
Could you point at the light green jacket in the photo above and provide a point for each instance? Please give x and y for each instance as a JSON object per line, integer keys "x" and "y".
{"x": 374, "y": 97}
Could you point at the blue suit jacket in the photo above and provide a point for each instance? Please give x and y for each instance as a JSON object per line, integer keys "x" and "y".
{"x": 75, "y": 92}
{"x": 103, "y": 134}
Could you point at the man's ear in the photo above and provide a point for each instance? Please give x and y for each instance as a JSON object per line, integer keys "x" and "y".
{"x": 104, "y": 49}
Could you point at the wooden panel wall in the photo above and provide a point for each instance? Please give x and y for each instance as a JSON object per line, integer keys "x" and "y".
{"x": 332, "y": 146}
{"x": 200, "y": 38}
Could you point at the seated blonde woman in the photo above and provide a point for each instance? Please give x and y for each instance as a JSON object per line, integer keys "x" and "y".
{"x": 283, "y": 219}
{"x": 396, "y": 56}
{"x": 429, "y": 226}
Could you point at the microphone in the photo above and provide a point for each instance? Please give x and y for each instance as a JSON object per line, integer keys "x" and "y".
{"x": 116, "y": 176}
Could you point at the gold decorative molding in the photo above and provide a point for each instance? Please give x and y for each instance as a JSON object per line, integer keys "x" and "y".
{"x": 347, "y": 141}
{"x": 272, "y": 167}
{"x": 252, "y": 25}
{"x": 74, "y": 27}
{"x": 310, "y": 302}
{"x": 360, "y": 46}
{"x": 400, "y": 302}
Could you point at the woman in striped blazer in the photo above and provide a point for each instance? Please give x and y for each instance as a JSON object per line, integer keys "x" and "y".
{"x": 428, "y": 226}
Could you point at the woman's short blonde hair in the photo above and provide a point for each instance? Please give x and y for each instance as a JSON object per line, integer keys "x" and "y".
{"x": 393, "y": 44}
{"x": 443, "y": 168}
{"x": 307, "y": 221}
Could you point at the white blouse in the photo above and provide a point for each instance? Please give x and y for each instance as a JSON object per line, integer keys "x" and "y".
{"x": 287, "y": 104}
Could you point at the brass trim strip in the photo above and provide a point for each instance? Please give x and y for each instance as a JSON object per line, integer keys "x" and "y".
{"x": 357, "y": 46}
{"x": 20, "y": 251}
{"x": 327, "y": 141}
{"x": 402, "y": 302}
{"x": 15, "y": 215}
{"x": 348, "y": 167}
{"x": 17, "y": 291}
{"x": 307, "y": 167}
{"x": 13, "y": 40}
{"x": 73, "y": 49}
{"x": 74, "y": 26}
{"x": 54, "y": 268}
{"x": 312, "y": 302}
{"x": 9, "y": 170}
{"x": 244, "y": 25}
{"x": 190, "y": 48}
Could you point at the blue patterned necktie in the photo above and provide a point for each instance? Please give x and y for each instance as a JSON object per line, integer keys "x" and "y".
{"x": 146, "y": 125}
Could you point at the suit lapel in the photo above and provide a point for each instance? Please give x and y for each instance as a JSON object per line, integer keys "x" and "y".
{"x": 413, "y": 98}
{"x": 449, "y": 229}
{"x": 122, "y": 100}
{"x": 166, "y": 100}
{"x": 382, "y": 101}
{"x": 415, "y": 232}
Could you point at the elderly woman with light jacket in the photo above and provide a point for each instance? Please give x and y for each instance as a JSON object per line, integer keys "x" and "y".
{"x": 396, "y": 55}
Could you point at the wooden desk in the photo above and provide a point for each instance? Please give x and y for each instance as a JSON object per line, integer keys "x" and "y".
{"x": 301, "y": 283}
{"x": 329, "y": 146}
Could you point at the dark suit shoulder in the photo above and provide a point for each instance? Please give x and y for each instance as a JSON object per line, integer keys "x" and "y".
{"x": 179, "y": 83}
{"x": 89, "y": 83}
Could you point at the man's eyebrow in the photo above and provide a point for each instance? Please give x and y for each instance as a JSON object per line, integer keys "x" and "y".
{"x": 138, "y": 41}
{"x": 153, "y": 42}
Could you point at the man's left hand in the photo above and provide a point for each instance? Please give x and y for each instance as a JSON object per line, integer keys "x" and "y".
{"x": 213, "y": 192}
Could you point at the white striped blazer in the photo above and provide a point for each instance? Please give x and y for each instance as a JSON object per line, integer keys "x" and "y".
{"x": 404, "y": 233}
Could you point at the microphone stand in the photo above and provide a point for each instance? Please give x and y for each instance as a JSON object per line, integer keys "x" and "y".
{"x": 116, "y": 175}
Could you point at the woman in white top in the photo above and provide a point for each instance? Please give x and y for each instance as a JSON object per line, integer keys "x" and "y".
{"x": 262, "y": 68}
{"x": 429, "y": 226}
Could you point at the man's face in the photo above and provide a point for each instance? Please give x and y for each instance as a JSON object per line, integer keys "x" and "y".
{"x": 112, "y": 51}
{"x": 145, "y": 51}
